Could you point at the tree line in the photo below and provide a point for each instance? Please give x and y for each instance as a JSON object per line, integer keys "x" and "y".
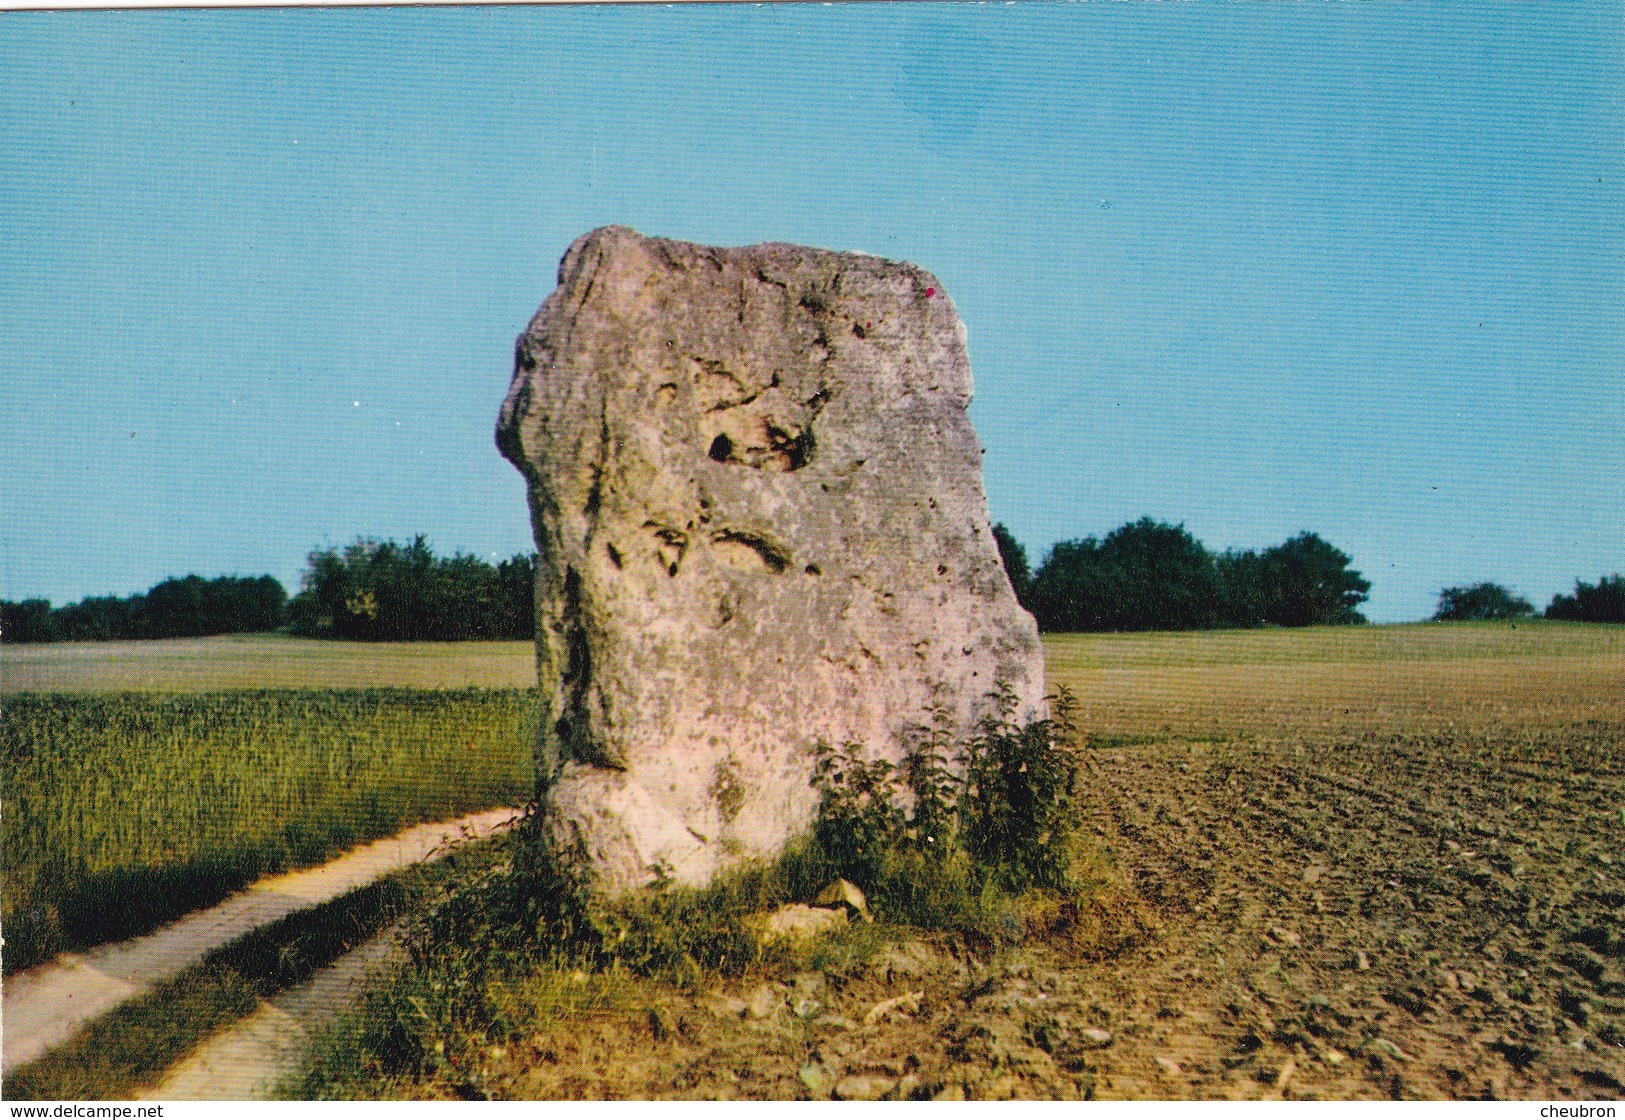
{"x": 1145, "y": 575}
{"x": 187, "y": 607}
{"x": 386, "y": 592}
{"x": 369, "y": 590}
{"x": 1150, "y": 575}
{"x": 1603, "y": 601}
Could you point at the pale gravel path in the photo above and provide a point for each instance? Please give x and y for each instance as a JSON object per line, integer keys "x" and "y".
{"x": 47, "y": 1004}
{"x": 246, "y": 1060}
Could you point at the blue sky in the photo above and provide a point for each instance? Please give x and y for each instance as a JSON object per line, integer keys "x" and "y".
{"x": 1254, "y": 268}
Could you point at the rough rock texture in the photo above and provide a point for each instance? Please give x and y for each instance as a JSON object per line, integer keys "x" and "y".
{"x": 757, "y": 501}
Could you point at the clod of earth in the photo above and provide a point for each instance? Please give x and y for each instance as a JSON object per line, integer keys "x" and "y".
{"x": 758, "y": 527}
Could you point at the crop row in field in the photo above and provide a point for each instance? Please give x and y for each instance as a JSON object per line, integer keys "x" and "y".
{"x": 125, "y": 810}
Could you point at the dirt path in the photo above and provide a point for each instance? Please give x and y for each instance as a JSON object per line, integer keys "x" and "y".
{"x": 247, "y": 1059}
{"x": 46, "y": 1005}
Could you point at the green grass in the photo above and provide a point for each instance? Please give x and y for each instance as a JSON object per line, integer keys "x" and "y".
{"x": 130, "y": 1048}
{"x": 126, "y": 810}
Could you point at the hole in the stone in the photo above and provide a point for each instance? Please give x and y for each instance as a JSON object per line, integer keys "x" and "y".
{"x": 722, "y": 448}
{"x": 942, "y": 569}
{"x": 669, "y": 546}
{"x": 614, "y": 554}
{"x": 857, "y": 329}
{"x": 741, "y": 549}
{"x": 813, "y": 570}
{"x": 796, "y": 449}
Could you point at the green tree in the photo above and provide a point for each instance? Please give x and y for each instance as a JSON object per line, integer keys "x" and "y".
{"x": 27, "y": 621}
{"x": 1243, "y": 588}
{"x": 185, "y": 607}
{"x": 1146, "y": 575}
{"x": 1308, "y": 582}
{"x": 383, "y": 591}
{"x": 1480, "y": 602}
{"x": 517, "y": 577}
{"x": 1603, "y": 601}
{"x": 100, "y": 618}
{"x": 1014, "y": 558}
{"x": 193, "y": 606}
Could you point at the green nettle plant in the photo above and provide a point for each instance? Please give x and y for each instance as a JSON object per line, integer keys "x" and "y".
{"x": 932, "y": 783}
{"x": 928, "y": 840}
{"x": 859, "y": 820}
{"x": 1019, "y": 795}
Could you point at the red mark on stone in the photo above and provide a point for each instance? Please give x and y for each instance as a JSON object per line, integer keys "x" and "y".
{"x": 929, "y": 292}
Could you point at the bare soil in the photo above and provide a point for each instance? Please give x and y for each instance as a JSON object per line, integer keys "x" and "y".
{"x": 1301, "y": 927}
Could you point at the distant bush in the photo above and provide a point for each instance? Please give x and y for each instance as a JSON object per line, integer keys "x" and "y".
{"x": 383, "y": 591}
{"x": 1603, "y": 601}
{"x": 188, "y": 607}
{"x": 1149, "y": 575}
{"x": 1481, "y": 602}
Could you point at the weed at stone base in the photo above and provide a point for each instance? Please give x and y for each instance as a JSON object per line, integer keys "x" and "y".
{"x": 975, "y": 837}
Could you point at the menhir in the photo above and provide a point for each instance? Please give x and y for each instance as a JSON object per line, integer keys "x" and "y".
{"x": 760, "y": 521}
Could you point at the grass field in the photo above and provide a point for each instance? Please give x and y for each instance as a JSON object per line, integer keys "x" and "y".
{"x": 124, "y": 810}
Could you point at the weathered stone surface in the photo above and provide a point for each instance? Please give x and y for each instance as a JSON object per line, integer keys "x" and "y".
{"x": 757, "y": 501}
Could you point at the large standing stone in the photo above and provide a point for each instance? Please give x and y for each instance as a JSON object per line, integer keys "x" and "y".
{"x": 758, "y": 505}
